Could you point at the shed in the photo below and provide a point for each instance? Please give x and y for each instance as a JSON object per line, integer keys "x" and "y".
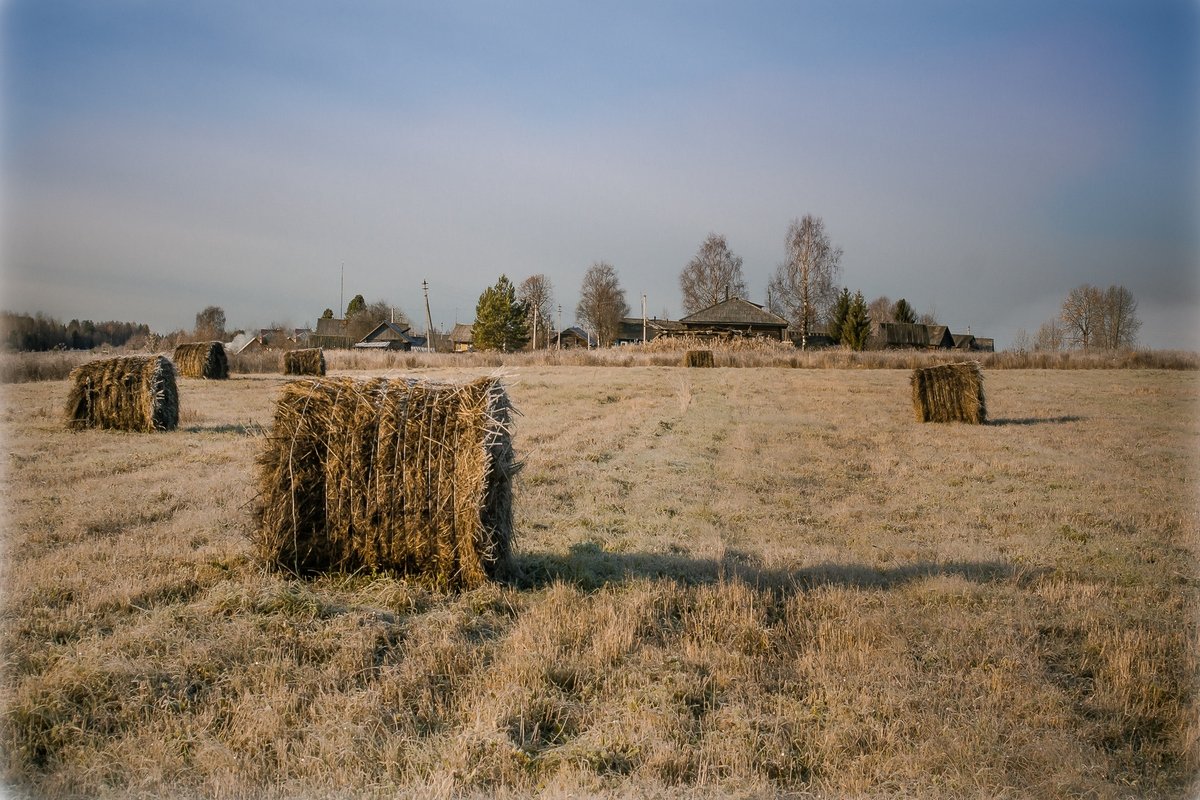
{"x": 387, "y": 336}
{"x": 462, "y": 337}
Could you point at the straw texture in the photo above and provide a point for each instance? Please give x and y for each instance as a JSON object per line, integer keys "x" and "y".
{"x": 949, "y": 393}
{"x": 389, "y": 474}
{"x": 698, "y": 358}
{"x": 309, "y": 361}
{"x": 131, "y": 393}
{"x": 202, "y": 360}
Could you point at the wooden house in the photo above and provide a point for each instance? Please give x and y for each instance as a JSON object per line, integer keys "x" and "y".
{"x": 574, "y": 337}
{"x": 387, "y": 336}
{"x": 735, "y": 316}
{"x": 462, "y": 338}
{"x": 630, "y": 329}
{"x": 901, "y": 335}
{"x": 331, "y": 334}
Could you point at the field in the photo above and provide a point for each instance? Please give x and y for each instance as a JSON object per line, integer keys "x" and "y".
{"x": 746, "y": 582}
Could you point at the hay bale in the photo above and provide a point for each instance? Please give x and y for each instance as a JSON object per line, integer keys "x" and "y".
{"x": 698, "y": 358}
{"x": 202, "y": 360}
{"x": 132, "y": 393}
{"x": 389, "y": 474}
{"x": 949, "y": 393}
{"x": 309, "y": 361}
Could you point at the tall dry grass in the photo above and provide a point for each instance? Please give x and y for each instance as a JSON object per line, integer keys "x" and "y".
{"x": 751, "y": 583}
{"x": 26, "y": 367}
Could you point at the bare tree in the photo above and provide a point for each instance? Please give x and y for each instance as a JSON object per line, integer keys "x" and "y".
{"x": 880, "y": 309}
{"x": 210, "y": 323}
{"x": 602, "y": 302}
{"x": 1049, "y": 337}
{"x": 712, "y": 274}
{"x": 1120, "y": 324}
{"x": 1021, "y": 342}
{"x": 804, "y": 285}
{"x": 1083, "y": 315}
{"x": 537, "y": 293}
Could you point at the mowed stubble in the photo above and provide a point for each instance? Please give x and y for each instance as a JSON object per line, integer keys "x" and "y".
{"x": 733, "y": 580}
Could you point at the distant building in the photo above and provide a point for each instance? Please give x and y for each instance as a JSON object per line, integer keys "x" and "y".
{"x": 462, "y": 337}
{"x": 735, "y": 316}
{"x": 331, "y": 333}
{"x": 387, "y": 336}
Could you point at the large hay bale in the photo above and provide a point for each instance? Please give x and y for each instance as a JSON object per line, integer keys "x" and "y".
{"x": 309, "y": 361}
{"x": 389, "y": 474}
{"x": 949, "y": 393}
{"x": 131, "y": 393}
{"x": 698, "y": 358}
{"x": 202, "y": 360}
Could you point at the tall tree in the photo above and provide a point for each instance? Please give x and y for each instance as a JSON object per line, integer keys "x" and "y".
{"x": 537, "y": 293}
{"x": 804, "y": 284}
{"x": 602, "y": 302}
{"x": 1120, "y": 324}
{"x": 356, "y": 306}
{"x": 856, "y": 332}
{"x": 500, "y": 319}
{"x": 880, "y": 309}
{"x": 210, "y": 323}
{"x": 903, "y": 312}
{"x": 1082, "y": 314}
{"x": 1049, "y": 336}
{"x": 713, "y": 273}
{"x": 841, "y": 312}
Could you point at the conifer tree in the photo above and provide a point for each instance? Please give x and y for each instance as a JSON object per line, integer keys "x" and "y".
{"x": 500, "y": 319}
{"x": 856, "y": 332}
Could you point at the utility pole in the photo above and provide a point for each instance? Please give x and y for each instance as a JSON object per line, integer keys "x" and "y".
{"x": 428, "y": 318}
{"x": 559, "y": 346}
{"x": 342, "y": 293}
{"x": 643, "y": 318}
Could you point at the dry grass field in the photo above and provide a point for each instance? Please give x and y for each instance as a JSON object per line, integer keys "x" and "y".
{"x": 747, "y": 582}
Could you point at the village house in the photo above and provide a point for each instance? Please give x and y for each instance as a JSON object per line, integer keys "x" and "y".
{"x": 735, "y": 316}
{"x": 462, "y": 338}
{"x": 388, "y": 336}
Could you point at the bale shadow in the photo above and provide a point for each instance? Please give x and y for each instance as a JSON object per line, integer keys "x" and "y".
{"x": 1036, "y": 420}
{"x": 589, "y": 567}
{"x": 243, "y": 429}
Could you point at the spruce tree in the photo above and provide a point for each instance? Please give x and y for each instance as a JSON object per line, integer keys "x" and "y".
{"x": 857, "y": 330}
{"x": 841, "y": 310}
{"x": 500, "y": 319}
{"x": 903, "y": 312}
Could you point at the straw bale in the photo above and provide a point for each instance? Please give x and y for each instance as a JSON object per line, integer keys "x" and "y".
{"x": 698, "y": 358}
{"x": 202, "y": 360}
{"x": 131, "y": 393}
{"x": 389, "y": 474}
{"x": 949, "y": 393}
{"x": 308, "y": 361}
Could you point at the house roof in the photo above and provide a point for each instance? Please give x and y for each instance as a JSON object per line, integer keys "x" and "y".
{"x": 388, "y": 332}
{"x": 580, "y": 334}
{"x": 735, "y": 311}
{"x": 331, "y": 326}
{"x": 462, "y": 333}
{"x": 906, "y": 334}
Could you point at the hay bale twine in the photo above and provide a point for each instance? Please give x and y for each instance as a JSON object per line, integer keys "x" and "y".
{"x": 392, "y": 474}
{"x": 131, "y": 393}
{"x": 308, "y": 361}
{"x": 202, "y": 360}
{"x": 698, "y": 358}
{"x": 949, "y": 393}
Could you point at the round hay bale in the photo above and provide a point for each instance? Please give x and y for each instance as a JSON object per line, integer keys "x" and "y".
{"x": 698, "y": 358}
{"x": 202, "y": 360}
{"x": 131, "y": 393}
{"x": 949, "y": 393}
{"x": 308, "y": 361}
{"x": 392, "y": 474}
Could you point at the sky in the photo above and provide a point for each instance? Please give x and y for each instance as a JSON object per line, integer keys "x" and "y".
{"x": 979, "y": 158}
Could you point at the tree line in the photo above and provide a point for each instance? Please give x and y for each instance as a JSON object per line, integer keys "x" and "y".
{"x": 39, "y": 332}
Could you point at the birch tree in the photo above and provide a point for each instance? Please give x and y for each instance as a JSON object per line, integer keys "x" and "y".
{"x": 537, "y": 293}
{"x": 601, "y": 302}
{"x": 804, "y": 286}
{"x": 713, "y": 273}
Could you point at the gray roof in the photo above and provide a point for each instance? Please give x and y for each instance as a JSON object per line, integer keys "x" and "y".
{"x": 735, "y": 311}
{"x": 462, "y": 333}
{"x": 905, "y": 334}
{"x": 388, "y": 331}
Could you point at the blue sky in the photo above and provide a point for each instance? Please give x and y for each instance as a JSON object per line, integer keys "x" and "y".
{"x": 977, "y": 158}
